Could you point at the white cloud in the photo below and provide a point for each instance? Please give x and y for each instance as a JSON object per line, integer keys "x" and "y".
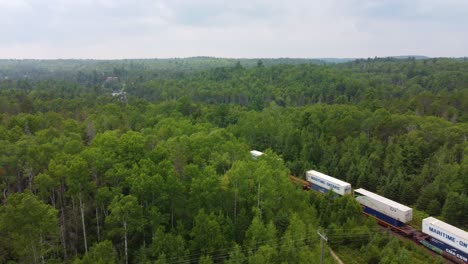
{"x": 242, "y": 28}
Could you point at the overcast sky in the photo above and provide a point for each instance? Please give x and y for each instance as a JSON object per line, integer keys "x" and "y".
{"x": 114, "y": 29}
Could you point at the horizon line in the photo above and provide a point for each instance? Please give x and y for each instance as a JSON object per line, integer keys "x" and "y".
{"x": 239, "y": 58}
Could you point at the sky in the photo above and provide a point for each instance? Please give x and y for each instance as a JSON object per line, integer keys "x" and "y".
{"x": 117, "y": 29}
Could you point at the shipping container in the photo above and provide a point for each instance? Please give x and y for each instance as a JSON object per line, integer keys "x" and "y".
{"x": 385, "y": 209}
{"x": 323, "y": 183}
{"x": 447, "y": 234}
{"x": 449, "y": 249}
{"x": 255, "y": 153}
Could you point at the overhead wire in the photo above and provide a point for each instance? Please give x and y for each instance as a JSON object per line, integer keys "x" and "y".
{"x": 227, "y": 250}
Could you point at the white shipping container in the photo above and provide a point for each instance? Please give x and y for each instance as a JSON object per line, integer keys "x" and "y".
{"x": 446, "y": 233}
{"x": 385, "y": 206}
{"x": 255, "y": 153}
{"x": 327, "y": 182}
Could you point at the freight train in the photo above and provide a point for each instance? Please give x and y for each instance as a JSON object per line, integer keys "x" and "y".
{"x": 442, "y": 238}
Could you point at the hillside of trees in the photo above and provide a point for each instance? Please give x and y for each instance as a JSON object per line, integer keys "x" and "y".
{"x": 160, "y": 172}
{"x": 91, "y": 71}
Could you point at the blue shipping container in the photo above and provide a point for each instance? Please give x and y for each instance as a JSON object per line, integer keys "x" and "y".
{"x": 318, "y": 188}
{"x": 449, "y": 249}
{"x": 383, "y": 217}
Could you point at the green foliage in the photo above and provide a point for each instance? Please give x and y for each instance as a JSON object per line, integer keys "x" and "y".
{"x": 163, "y": 174}
{"x": 259, "y": 234}
{"x": 29, "y": 227}
{"x": 454, "y": 210}
{"x": 125, "y": 215}
{"x": 100, "y": 253}
{"x": 206, "y": 234}
{"x": 236, "y": 256}
{"x": 265, "y": 254}
{"x": 171, "y": 246}
{"x": 125, "y": 219}
{"x": 205, "y": 260}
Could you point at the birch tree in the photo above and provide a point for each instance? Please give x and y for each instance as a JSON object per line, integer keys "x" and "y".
{"x": 125, "y": 219}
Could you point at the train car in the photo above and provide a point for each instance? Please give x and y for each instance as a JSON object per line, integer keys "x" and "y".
{"x": 323, "y": 183}
{"x": 448, "y": 238}
{"x": 255, "y": 153}
{"x": 442, "y": 238}
{"x": 384, "y": 209}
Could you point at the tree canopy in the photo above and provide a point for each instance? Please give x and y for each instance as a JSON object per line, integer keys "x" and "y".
{"x": 142, "y": 161}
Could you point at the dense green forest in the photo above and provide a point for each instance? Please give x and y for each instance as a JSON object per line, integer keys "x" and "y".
{"x": 143, "y": 161}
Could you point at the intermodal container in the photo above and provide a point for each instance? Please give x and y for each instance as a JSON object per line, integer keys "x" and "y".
{"x": 383, "y": 208}
{"x": 449, "y": 249}
{"x": 323, "y": 183}
{"x": 445, "y": 233}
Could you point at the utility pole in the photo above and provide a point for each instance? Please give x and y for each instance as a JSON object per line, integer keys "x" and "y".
{"x": 322, "y": 238}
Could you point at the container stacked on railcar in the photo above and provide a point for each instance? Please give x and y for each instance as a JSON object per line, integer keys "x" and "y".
{"x": 440, "y": 237}
{"x": 323, "y": 183}
{"x": 448, "y": 238}
{"x": 384, "y": 209}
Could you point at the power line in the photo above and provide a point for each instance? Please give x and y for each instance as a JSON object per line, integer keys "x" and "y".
{"x": 349, "y": 236}
{"x": 338, "y": 237}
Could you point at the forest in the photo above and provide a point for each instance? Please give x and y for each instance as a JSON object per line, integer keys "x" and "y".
{"x": 147, "y": 161}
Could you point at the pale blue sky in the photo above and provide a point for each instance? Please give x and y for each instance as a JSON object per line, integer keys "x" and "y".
{"x": 106, "y": 29}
